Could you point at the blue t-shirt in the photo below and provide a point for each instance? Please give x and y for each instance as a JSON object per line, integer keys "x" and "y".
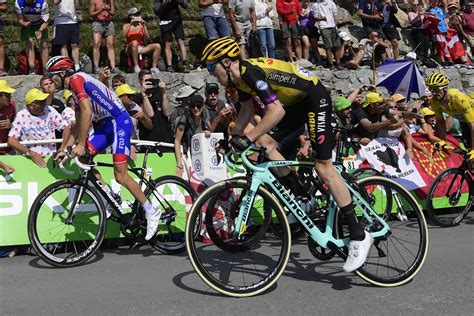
{"x": 370, "y": 8}
{"x": 440, "y": 15}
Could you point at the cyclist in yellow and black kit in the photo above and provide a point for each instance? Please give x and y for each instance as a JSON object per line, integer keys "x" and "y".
{"x": 280, "y": 86}
{"x": 452, "y": 102}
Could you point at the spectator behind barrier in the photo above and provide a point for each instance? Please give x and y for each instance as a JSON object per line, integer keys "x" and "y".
{"x": 213, "y": 17}
{"x": 219, "y": 113}
{"x": 468, "y": 17}
{"x": 183, "y": 95}
{"x": 36, "y": 122}
{"x": 136, "y": 34}
{"x": 33, "y": 17}
{"x": 171, "y": 23}
{"x": 243, "y": 21}
{"x": 342, "y": 110}
{"x": 288, "y": 11}
{"x": 7, "y": 113}
{"x": 193, "y": 121}
{"x": 3, "y": 8}
{"x": 154, "y": 96}
{"x": 102, "y": 13}
{"x": 69, "y": 113}
{"x": 265, "y": 14}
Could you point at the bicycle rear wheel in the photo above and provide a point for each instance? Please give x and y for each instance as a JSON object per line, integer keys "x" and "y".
{"x": 237, "y": 267}
{"x": 450, "y": 198}
{"x": 64, "y": 244}
{"x": 174, "y": 197}
{"x": 395, "y": 258}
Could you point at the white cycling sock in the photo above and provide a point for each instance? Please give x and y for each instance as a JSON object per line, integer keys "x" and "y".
{"x": 149, "y": 209}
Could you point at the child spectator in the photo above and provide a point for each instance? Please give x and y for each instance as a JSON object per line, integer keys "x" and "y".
{"x": 33, "y": 17}
{"x": 136, "y": 33}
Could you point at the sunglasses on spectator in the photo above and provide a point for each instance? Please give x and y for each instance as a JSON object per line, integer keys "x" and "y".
{"x": 4, "y": 94}
{"x": 197, "y": 106}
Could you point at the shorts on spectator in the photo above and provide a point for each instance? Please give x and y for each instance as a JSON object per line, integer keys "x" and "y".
{"x": 27, "y": 33}
{"x": 1, "y": 27}
{"x": 310, "y": 31}
{"x": 106, "y": 28}
{"x": 331, "y": 38}
{"x": 290, "y": 30}
{"x": 244, "y": 33}
{"x": 470, "y": 40}
{"x": 391, "y": 34}
{"x": 369, "y": 30}
{"x": 66, "y": 34}
{"x": 173, "y": 27}
{"x": 216, "y": 27}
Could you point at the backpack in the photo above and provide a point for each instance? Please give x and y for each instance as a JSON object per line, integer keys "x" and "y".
{"x": 22, "y": 63}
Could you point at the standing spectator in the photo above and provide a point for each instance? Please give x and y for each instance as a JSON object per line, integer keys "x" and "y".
{"x": 183, "y": 95}
{"x": 33, "y": 17}
{"x": 214, "y": 20}
{"x": 171, "y": 23}
{"x": 310, "y": 34}
{"x": 136, "y": 34}
{"x": 154, "y": 95}
{"x": 417, "y": 17}
{"x": 219, "y": 113}
{"x": 243, "y": 20}
{"x": 370, "y": 11}
{"x": 102, "y": 13}
{"x": 468, "y": 17}
{"x": 126, "y": 95}
{"x": 192, "y": 121}
{"x": 66, "y": 29}
{"x": 7, "y": 113}
{"x": 3, "y": 8}
{"x": 37, "y": 122}
{"x": 326, "y": 15}
{"x": 265, "y": 13}
{"x": 289, "y": 11}
{"x": 69, "y": 113}
{"x": 440, "y": 36}
{"x": 389, "y": 24}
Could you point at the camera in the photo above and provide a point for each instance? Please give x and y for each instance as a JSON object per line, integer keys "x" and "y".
{"x": 154, "y": 82}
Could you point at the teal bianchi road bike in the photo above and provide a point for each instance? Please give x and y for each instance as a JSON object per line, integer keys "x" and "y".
{"x": 238, "y": 254}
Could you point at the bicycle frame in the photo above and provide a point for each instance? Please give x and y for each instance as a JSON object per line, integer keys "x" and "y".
{"x": 261, "y": 175}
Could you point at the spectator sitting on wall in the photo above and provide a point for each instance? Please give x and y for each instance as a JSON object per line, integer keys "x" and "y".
{"x": 69, "y": 113}
{"x": 36, "y": 122}
{"x": 182, "y": 96}
{"x": 347, "y": 51}
{"x": 243, "y": 20}
{"x": 7, "y": 113}
{"x": 192, "y": 122}
{"x": 136, "y": 34}
{"x": 33, "y": 17}
{"x": 289, "y": 11}
{"x": 213, "y": 17}
{"x": 154, "y": 95}
{"x": 171, "y": 23}
{"x": 369, "y": 49}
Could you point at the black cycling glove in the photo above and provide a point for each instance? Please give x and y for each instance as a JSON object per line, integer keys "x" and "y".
{"x": 240, "y": 143}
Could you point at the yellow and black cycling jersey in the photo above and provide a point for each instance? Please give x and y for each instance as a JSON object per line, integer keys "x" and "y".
{"x": 272, "y": 79}
{"x": 459, "y": 105}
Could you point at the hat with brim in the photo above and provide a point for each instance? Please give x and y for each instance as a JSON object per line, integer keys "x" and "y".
{"x": 124, "y": 89}
{"x": 341, "y": 103}
{"x": 426, "y": 112}
{"x": 4, "y": 87}
{"x": 212, "y": 86}
{"x": 397, "y": 97}
{"x": 196, "y": 99}
{"x": 344, "y": 36}
{"x": 133, "y": 11}
{"x": 35, "y": 95}
{"x": 185, "y": 92}
{"x": 452, "y": 5}
{"x": 67, "y": 94}
{"x": 372, "y": 97}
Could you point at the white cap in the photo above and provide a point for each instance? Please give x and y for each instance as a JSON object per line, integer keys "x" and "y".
{"x": 344, "y": 36}
{"x": 184, "y": 92}
{"x": 411, "y": 56}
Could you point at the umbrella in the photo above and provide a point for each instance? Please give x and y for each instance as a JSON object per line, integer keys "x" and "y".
{"x": 401, "y": 77}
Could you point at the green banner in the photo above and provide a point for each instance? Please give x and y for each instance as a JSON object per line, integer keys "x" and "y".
{"x": 18, "y": 191}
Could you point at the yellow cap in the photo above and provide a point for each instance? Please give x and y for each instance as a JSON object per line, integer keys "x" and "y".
{"x": 426, "y": 112}
{"x": 4, "y": 87}
{"x": 397, "y": 97}
{"x": 35, "y": 95}
{"x": 372, "y": 97}
{"x": 124, "y": 89}
{"x": 67, "y": 94}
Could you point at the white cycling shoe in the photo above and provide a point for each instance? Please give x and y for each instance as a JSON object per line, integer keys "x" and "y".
{"x": 152, "y": 222}
{"x": 358, "y": 251}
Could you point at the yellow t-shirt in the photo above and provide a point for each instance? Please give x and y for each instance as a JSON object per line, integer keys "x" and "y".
{"x": 459, "y": 105}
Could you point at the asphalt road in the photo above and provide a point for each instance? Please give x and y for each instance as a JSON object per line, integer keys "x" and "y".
{"x": 144, "y": 282}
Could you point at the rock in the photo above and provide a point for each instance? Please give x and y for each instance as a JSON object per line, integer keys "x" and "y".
{"x": 344, "y": 15}
{"x": 402, "y": 18}
{"x": 342, "y": 74}
{"x": 357, "y": 31}
{"x": 364, "y": 76}
{"x": 304, "y": 63}
{"x": 343, "y": 87}
{"x": 195, "y": 80}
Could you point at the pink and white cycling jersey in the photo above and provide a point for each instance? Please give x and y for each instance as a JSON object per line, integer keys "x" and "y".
{"x": 104, "y": 102}
{"x": 42, "y": 127}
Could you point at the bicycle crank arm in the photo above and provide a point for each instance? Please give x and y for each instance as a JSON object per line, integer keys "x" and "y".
{"x": 339, "y": 251}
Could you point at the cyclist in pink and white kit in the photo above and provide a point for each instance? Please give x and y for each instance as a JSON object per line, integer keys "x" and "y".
{"x": 101, "y": 108}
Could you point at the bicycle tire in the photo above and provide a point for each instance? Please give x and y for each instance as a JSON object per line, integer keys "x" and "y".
{"x": 47, "y": 228}
{"x": 366, "y": 172}
{"x": 217, "y": 270}
{"x": 395, "y": 270}
{"x": 451, "y": 210}
{"x": 174, "y": 197}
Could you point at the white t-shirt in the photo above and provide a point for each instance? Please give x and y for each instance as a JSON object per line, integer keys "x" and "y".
{"x": 69, "y": 115}
{"x": 327, "y": 9}
{"x": 368, "y": 48}
{"x": 215, "y": 10}
{"x": 65, "y": 12}
{"x": 30, "y": 127}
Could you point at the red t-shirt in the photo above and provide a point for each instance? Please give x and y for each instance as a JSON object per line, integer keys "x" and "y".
{"x": 288, "y": 10}
{"x": 10, "y": 112}
{"x": 469, "y": 17}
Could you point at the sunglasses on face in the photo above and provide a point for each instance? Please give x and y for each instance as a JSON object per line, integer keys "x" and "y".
{"x": 437, "y": 89}
{"x": 197, "y": 106}
{"x": 4, "y": 94}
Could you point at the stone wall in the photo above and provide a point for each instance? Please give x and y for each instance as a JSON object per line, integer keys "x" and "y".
{"x": 339, "y": 82}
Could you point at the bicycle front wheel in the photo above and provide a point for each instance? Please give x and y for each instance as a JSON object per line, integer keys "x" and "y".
{"x": 66, "y": 224}
{"x": 237, "y": 267}
{"x": 396, "y": 257}
{"x": 450, "y": 198}
{"x": 174, "y": 197}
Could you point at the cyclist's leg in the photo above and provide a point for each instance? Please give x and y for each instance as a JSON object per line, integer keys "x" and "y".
{"x": 466, "y": 129}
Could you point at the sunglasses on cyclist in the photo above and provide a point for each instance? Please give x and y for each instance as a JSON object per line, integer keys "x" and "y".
{"x": 211, "y": 67}
{"x": 438, "y": 89}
